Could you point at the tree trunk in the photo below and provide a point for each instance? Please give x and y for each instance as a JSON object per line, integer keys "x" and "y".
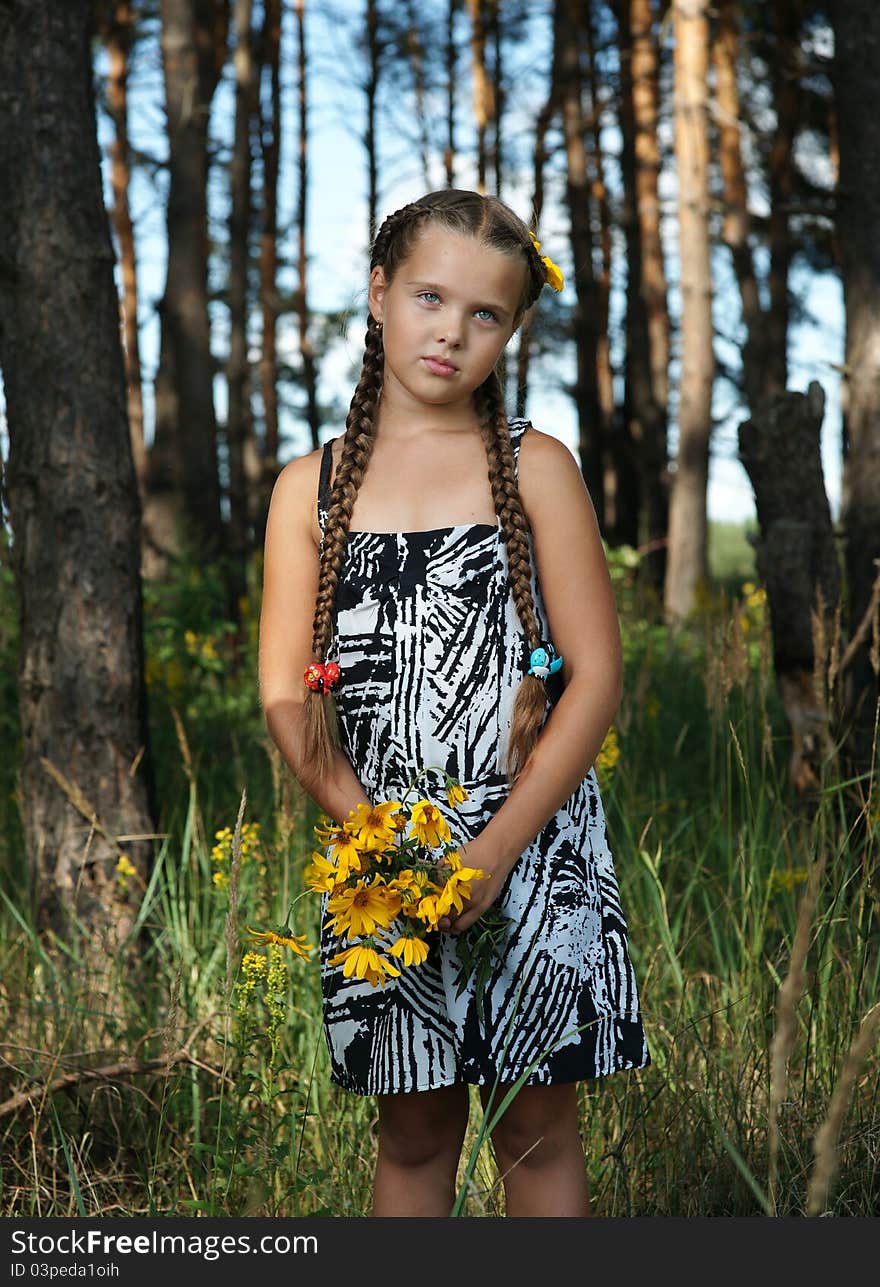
{"x": 687, "y": 559}
{"x": 785, "y": 98}
{"x": 73, "y": 498}
{"x": 620, "y": 497}
{"x": 239, "y": 420}
{"x": 118, "y": 36}
{"x": 372, "y": 91}
{"x": 586, "y": 312}
{"x": 646, "y": 357}
{"x": 415, "y": 52}
{"x": 796, "y": 562}
{"x": 857, "y": 90}
{"x": 270, "y": 137}
{"x": 183, "y": 498}
{"x": 483, "y": 96}
{"x": 451, "y": 59}
{"x": 306, "y": 348}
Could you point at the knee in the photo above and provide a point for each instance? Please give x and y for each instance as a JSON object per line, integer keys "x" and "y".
{"x": 529, "y": 1141}
{"x": 412, "y": 1144}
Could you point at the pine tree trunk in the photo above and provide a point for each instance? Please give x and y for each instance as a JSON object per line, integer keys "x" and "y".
{"x": 270, "y": 136}
{"x": 118, "y": 37}
{"x": 370, "y": 142}
{"x": 306, "y": 348}
{"x": 73, "y": 498}
{"x": 183, "y": 495}
{"x": 450, "y": 60}
{"x": 687, "y": 559}
{"x": 591, "y": 445}
{"x": 239, "y": 420}
{"x": 483, "y": 97}
{"x": 857, "y": 91}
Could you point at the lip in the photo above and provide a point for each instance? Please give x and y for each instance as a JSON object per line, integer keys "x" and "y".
{"x": 439, "y": 366}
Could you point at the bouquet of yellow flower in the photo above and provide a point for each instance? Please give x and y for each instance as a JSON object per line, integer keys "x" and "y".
{"x": 390, "y": 876}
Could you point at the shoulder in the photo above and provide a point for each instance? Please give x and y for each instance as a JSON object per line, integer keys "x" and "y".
{"x": 549, "y": 476}
{"x": 295, "y": 494}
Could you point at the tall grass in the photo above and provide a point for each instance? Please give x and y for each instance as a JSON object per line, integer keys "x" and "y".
{"x": 753, "y": 927}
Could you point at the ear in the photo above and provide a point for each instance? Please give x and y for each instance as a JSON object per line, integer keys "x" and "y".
{"x": 376, "y": 294}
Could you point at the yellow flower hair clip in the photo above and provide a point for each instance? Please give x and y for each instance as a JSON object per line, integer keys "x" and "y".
{"x": 553, "y": 273}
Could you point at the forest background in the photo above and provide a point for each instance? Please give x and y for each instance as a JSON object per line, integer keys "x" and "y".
{"x": 191, "y": 187}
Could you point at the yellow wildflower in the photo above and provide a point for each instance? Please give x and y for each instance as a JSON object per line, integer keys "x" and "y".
{"x": 283, "y": 938}
{"x": 426, "y": 910}
{"x": 321, "y": 875}
{"x": 366, "y": 963}
{"x": 360, "y": 910}
{"x": 455, "y": 794}
{"x": 372, "y": 825}
{"x": 429, "y": 825}
{"x": 411, "y": 950}
{"x": 609, "y": 754}
{"x": 254, "y": 968}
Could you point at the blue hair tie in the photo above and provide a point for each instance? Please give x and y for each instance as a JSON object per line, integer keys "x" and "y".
{"x": 544, "y": 661}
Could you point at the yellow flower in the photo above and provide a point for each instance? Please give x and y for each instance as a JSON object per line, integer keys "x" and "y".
{"x": 552, "y": 272}
{"x": 125, "y": 867}
{"x": 366, "y": 963}
{"x": 457, "y": 890}
{"x": 283, "y": 937}
{"x": 429, "y": 825}
{"x": 427, "y": 911}
{"x": 411, "y": 950}
{"x": 455, "y": 794}
{"x": 360, "y": 910}
{"x": 321, "y": 875}
{"x": 372, "y": 825}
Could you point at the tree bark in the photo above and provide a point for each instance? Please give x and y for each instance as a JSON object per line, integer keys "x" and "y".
{"x": 796, "y": 561}
{"x": 239, "y": 419}
{"x": 374, "y": 59}
{"x": 183, "y": 494}
{"x": 270, "y": 139}
{"x": 687, "y": 558}
{"x": 857, "y": 91}
{"x": 73, "y": 498}
{"x": 451, "y": 60}
{"x": 483, "y": 95}
{"x": 591, "y": 446}
{"x": 118, "y": 36}
{"x": 646, "y": 357}
{"x": 306, "y": 348}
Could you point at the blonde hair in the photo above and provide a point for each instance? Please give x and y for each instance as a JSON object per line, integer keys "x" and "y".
{"x": 496, "y": 225}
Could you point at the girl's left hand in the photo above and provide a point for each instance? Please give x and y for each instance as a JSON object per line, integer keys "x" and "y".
{"x": 483, "y": 892}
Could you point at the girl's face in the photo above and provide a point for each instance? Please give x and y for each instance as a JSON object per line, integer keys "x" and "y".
{"x": 446, "y": 315}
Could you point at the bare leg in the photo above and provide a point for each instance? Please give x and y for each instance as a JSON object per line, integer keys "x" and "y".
{"x": 539, "y": 1152}
{"x": 420, "y": 1139}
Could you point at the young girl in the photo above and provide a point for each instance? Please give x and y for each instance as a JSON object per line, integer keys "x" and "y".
{"x": 429, "y": 551}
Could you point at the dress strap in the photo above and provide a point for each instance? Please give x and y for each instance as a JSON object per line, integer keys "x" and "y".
{"x": 516, "y": 428}
{"x": 324, "y": 481}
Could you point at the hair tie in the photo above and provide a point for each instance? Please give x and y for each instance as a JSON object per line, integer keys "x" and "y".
{"x": 322, "y": 677}
{"x": 544, "y": 662}
{"x": 552, "y": 272}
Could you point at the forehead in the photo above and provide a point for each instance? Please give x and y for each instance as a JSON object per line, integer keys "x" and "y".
{"x": 461, "y": 261}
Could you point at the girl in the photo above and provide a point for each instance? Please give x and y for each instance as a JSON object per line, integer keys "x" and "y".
{"x": 429, "y": 551}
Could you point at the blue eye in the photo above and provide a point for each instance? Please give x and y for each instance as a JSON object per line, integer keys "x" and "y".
{"x": 488, "y": 315}
{"x": 435, "y": 298}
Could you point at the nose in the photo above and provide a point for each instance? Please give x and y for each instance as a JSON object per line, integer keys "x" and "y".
{"x": 449, "y": 328}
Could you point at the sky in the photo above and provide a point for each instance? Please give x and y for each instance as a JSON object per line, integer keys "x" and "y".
{"x": 337, "y": 247}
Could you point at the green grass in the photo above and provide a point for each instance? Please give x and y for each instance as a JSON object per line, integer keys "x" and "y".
{"x": 712, "y": 854}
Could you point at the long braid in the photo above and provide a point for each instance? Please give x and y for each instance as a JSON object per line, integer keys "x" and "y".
{"x": 530, "y": 704}
{"x": 320, "y": 726}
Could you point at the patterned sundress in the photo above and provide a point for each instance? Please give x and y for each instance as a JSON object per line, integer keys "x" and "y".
{"x": 431, "y": 652}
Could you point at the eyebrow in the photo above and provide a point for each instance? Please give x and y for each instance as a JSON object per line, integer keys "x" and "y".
{"x": 434, "y": 286}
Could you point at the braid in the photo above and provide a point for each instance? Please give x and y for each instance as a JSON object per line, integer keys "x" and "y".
{"x": 531, "y": 702}
{"x": 321, "y": 732}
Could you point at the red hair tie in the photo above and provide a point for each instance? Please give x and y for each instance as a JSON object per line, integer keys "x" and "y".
{"x": 322, "y": 677}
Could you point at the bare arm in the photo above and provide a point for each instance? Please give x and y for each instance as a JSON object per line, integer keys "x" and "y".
{"x": 290, "y": 585}
{"x": 582, "y": 616}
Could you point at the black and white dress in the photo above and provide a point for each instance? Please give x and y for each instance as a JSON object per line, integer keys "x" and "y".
{"x": 431, "y": 652}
